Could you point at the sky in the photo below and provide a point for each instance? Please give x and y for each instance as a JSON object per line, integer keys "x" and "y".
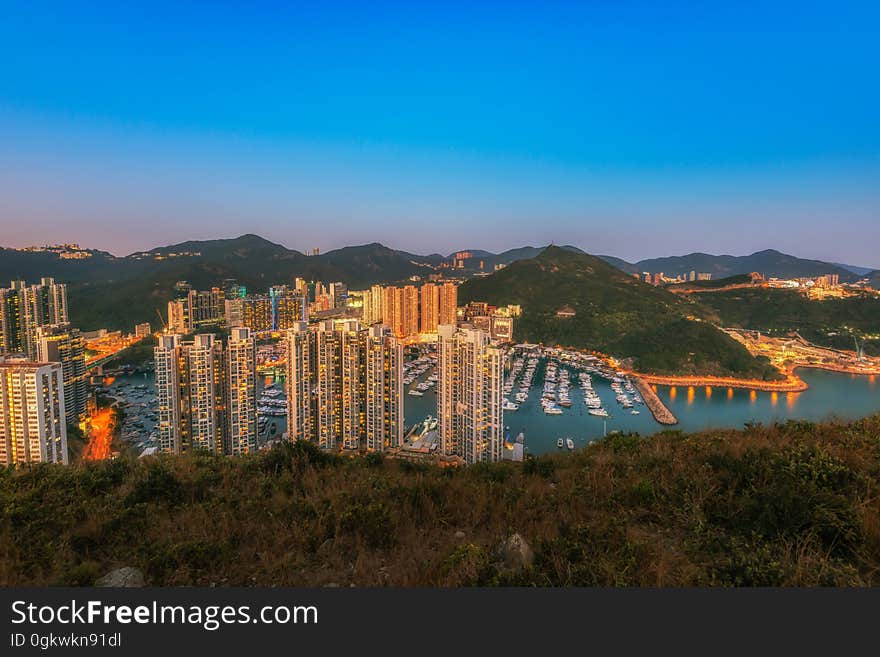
{"x": 636, "y": 129}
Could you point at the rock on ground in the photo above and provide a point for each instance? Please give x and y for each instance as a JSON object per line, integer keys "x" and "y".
{"x": 126, "y": 577}
{"x": 515, "y": 553}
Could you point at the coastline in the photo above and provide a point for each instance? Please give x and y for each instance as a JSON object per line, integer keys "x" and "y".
{"x": 792, "y": 383}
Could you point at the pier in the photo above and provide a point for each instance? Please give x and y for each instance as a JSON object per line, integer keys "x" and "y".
{"x": 662, "y": 414}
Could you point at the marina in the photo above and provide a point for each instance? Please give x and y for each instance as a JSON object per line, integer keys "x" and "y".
{"x": 551, "y": 396}
{"x": 603, "y": 402}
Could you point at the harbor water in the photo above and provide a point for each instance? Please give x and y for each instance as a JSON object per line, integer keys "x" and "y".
{"x": 831, "y": 395}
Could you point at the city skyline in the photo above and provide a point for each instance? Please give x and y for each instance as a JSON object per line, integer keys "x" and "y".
{"x": 564, "y": 124}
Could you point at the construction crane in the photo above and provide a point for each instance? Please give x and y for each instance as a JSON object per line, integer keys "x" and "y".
{"x": 161, "y": 319}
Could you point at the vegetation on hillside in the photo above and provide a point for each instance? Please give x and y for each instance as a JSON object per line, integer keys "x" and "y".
{"x": 795, "y": 504}
{"x": 715, "y": 283}
{"x": 615, "y": 314}
{"x": 830, "y": 322}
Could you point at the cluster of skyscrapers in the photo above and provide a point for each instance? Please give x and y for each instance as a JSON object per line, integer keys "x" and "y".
{"x": 344, "y": 378}
{"x": 206, "y": 393}
{"x": 43, "y": 371}
{"x": 276, "y": 311}
{"x": 345, "y": 385}
{"x": 410, "y": 310}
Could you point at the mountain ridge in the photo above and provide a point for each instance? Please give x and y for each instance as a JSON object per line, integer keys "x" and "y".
{"x": 102, "y": 282}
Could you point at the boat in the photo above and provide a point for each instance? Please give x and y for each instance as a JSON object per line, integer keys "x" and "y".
{"x": 569, "y": 443}
{"x": 559, "y": 443}
{"x": 509, "y": 405}
{"x": 600, "y": 412}
{"x": 634, "y": 412}
{"x": 416, "y": 393}
{"x": 552, "y": 410}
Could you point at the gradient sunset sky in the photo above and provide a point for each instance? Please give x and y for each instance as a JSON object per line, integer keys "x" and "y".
{"x": 637, "y": 129}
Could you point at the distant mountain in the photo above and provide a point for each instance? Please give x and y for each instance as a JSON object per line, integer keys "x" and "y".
{"x": 859, "y": 271}
{"x": 103, "y": 286}
{"x": 489, "y": 260}
{"x": 614, "y": 314}
{"x": 106, "y": 291}
{"x": 771, "y": 263}
{"x": 620, "y": 264}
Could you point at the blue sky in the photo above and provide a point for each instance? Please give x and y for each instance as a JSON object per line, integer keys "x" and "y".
{"x": 633, "y": 128}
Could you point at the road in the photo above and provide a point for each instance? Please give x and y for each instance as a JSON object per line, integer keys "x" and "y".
{"x": 100, "y": 435}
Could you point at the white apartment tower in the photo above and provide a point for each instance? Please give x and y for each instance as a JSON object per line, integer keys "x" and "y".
{"x": 469, "y": 394}
{"x": 168, "y": 368}
{"x": 32, "y": 417}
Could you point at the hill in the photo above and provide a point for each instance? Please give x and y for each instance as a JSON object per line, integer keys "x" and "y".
{"x": 615, "y": 314}
{"x": 103, "y": 287}
{"x": 783, "y": 505}
{"x": 770, "y": 263}
{"x": 490, "y": 260}
{"x": 830, "y": 322}
{"x": 859, "y": 271}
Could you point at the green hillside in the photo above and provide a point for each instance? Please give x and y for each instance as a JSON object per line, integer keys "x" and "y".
{"x": 615, "y": 314}
{"x": 830, "y": 322}
{"x": 786, "y": 505}
{"x": 739, "y": 279}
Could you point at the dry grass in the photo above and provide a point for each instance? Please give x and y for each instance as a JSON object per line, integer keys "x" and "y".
{"x": 794, "y": 504}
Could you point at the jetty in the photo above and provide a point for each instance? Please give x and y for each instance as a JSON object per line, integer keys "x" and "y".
{"x": 658, "y": 409}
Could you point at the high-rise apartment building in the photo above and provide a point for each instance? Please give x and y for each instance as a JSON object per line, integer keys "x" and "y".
{"x": 409, "y": 311}
{"x": 373, "y": 305}
{"x": 240, "y": 364}
{"x": 10, "y": 321}
{"x": 430, "y": 308}
{"x": 169, "y": 378}
{"x": 389, "y": 303}
{"x": 196, "y": 310}
{"x": 448, "y": 304}
{"x": 206, "y": 393}
{"x": 276, "y": 311}
{"x": 288, "y": 307}
{"x": 32, "y": 415}
{"x": 383, "y": 390}
{"x": 25, "y": 308}
{"x": 344, "y": 385}
{"x": 301, "y": 285}
{"x": 299, "y": 350}
{"x": 469, "y": 394}
{"x": 60, "y": 343}
{"x": 338, "y": 294}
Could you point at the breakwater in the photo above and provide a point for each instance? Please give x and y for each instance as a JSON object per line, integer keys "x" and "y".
{"x": 662, "y": 414}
